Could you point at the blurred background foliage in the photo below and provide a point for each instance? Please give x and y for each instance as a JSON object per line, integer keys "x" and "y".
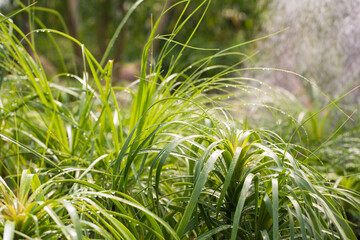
{"x": 226, "y": 23}
{"x": 321, "y": 42}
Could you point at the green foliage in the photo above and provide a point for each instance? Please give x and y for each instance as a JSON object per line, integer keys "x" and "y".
{"x": 227, "y": 23}
{"x": 160, "y": 159}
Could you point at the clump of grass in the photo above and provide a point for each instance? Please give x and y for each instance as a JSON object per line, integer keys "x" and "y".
{"x": 172, "y": 164}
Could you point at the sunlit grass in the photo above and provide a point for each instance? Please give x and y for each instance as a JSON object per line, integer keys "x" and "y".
{"x": 172, "y": 162}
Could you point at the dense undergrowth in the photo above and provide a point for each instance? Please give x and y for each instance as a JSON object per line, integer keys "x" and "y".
{"x": 170, "y": 160}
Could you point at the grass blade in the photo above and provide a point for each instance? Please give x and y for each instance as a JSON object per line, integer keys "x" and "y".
{"x": 9, "y": 230}
{"x": 275, "y": 198}
{"x": 240, "y": 205}
{"x": 197, "y": 191}
{"x": 118, "y": 30}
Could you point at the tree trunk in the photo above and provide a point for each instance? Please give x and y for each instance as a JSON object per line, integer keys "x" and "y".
{"x": 104, "y": 7}
{"x": 73, "y": 22}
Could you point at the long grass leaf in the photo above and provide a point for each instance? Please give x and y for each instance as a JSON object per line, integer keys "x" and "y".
{"x": 30, "y": 150}
{"x": 17, "y": 12}
{"x": 212, "y": 232}
{"x": 275, "y": 198}
{"x": 208, "y": 166}
{"x": 240, "y": 205}
{"x": 118, "y": 30}
{"x": 228, "y": 178}
{"x": 74, "y": 217}
{"x": 9, "y": 230}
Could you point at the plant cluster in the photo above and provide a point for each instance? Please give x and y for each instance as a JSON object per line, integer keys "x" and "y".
{"x": 160, "y": 159}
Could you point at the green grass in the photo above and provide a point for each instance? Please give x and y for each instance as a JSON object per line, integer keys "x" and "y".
{"x": 169, "y": 162}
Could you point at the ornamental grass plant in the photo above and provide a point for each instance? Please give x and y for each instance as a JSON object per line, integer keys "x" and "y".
{"x": 171, "y": 161}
